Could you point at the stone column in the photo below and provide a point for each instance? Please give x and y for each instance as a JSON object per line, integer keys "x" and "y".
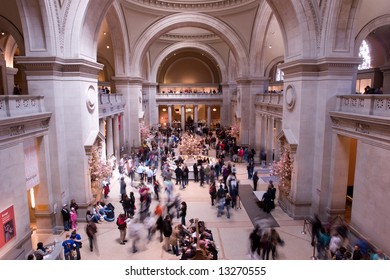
{"x": 208, "y": 116}
{"x": 152, "y": 112}
{"x": 183, "y": 118}
{"x": 263, "y": 137}
{"x": 116, "y": 136}
{"x": 131, "y": 89}
{"x": 246, "y": 99}
{"x": 226, "y": 106}
{"x": 70, "y": 84}
{"x": 270, "y": 139}
{"x": 278, "y": 126}
{"x": 311, "y": 180}
{"x": 340, "y": 154}
{"x": 122, "y": 142}
{"x": 109, "y": 137}
{"x": 103, "y": 132}
{"x": 11, "y": 72}
{"x": 196, "y": 116}
{"x": 386, "y": 79}
{"x": 257, "y": 137}
{"x": 170, "y": 115}
{"x": 46, "y": 207}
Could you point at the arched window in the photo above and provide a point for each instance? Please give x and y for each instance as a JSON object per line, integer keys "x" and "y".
{"x": 364, "y": 52}
{"x": 279, "y": 74}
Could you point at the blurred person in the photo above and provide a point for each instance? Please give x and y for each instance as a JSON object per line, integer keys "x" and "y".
{"x": 91, "y": 230}
{"x": 122, "y": 226}
{"x": 135, "y": 234}
{"x": 379, "y": 255}
{"x": 254, "y": 239}
{"x": 255, "y": 179}
{"x": 357, "y": 253}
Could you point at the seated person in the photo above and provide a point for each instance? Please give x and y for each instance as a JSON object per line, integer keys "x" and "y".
{"x": 41, "y": 251}
{"x": 91, "y": 218}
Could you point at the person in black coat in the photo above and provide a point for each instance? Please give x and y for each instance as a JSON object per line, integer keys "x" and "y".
{"x": 167, "y": 231}
{"x": 66, "y": 217}
{"x": 195, "y": 167}
{"x": 255, "y": 180}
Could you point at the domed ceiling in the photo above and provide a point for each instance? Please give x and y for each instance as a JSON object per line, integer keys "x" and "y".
{"x": 192, "y": 5}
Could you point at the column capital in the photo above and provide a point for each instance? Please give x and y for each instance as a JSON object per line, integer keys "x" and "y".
{"x": 56, "y": 66}
{"x": 128, "y": 80}
{"x": 334, "y": 65}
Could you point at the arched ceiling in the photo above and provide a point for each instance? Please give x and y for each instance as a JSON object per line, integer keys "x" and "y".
{"x": 190, "y": 55}
{"x": 379, "y": 40}
{"x": 224, "y": 6}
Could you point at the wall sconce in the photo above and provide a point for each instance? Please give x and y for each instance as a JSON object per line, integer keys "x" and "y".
{"x": 164, "y": 109}
{"x": 214, "y": 109}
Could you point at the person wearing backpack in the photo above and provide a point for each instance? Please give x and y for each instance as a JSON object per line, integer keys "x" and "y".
{"x": 213, "y": 193}
{"x": 122, "y": 226}
{"x": 69, "y": 247}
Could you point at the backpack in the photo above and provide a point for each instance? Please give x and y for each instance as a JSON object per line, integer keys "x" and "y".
{"x": 121, "y": 223}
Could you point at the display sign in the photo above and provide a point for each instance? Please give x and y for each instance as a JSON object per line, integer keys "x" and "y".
{"x": 7, "y": 226}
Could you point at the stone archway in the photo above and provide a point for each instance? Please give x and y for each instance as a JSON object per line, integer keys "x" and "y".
{"x": 194, "y": 45}
{"x": 193, "y": 20}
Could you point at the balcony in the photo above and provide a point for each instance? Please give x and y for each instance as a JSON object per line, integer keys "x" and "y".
{"x": 189, "y": 97}
{"x": 22, "y": 115}
{"x": 375, "y": 105}
{"x": 15, "y": 106}
{"x": 363, "y": 117}
{"x": 111, "y": 104}
{"x": 273, "y": 99}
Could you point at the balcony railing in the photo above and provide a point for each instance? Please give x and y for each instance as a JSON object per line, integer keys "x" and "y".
{"x": 275, "y": 99}
{"x": 189, "y": 96}
{"x": 373, "y": 105}
{"x": 111, "y": 104}
{"x": 15, "y": 106}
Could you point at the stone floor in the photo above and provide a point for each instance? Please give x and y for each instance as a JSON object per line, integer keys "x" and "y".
{"x": 231, "y": 235}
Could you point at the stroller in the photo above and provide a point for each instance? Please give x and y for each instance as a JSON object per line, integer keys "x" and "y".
{"x": 110, "y": 214}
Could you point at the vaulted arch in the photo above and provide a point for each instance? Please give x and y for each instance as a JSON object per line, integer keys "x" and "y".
{"x": 190, "y": 20}
{"x": 194, "y": 45}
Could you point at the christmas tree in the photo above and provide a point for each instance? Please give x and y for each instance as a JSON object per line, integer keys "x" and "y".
{"x": 99, "y": 170}
{"x": 190, "y": 145}
{"x": 283, "y": 169}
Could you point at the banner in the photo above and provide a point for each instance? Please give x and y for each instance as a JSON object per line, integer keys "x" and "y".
{"x": 7, "y": 226}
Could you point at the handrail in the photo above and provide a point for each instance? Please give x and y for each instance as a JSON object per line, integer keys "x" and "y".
{"x": 307, "y": 227}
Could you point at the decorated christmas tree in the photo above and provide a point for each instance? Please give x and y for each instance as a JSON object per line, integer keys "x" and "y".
{"x": 234, "y": 130}
{"x": 283, "y": 169}
{"x": 144, "y": 131}
{"x": 190, "y": 145}
{"x": 99, "y": 170}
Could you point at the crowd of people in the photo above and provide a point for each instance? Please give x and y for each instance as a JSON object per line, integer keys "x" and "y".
{"x": 333, "y": 242}
{"x": 146, "y": 176}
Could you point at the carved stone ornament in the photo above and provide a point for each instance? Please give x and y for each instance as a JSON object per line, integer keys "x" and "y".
{"x": 290, "y": 97}
{"x": 91, "y": 99}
